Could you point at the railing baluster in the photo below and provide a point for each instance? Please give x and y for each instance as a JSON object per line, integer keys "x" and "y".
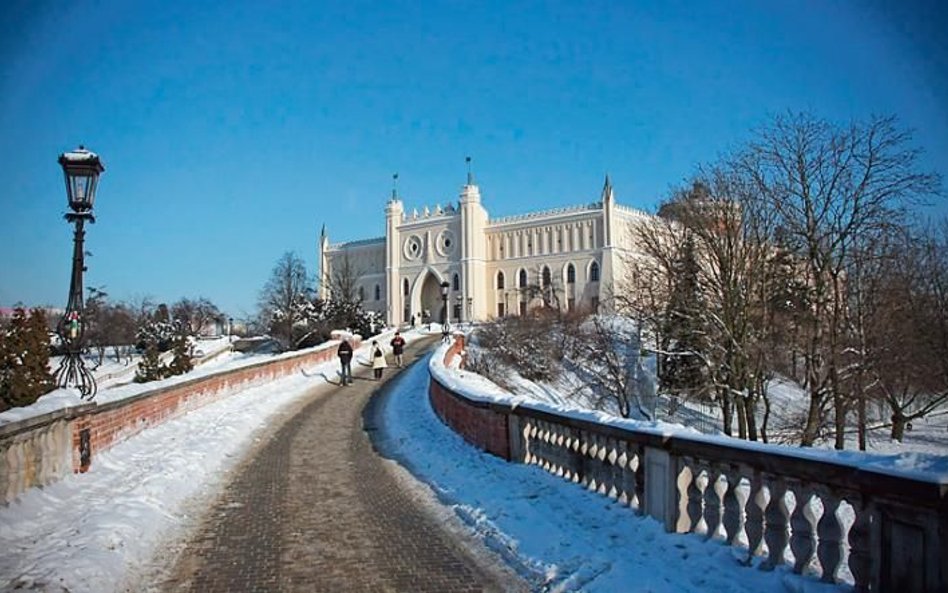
{"x": 712, "y": 502}
{"x": 775, "y": 530}
{"x": 732, "y": 508}
{"x": 754, "y": 517}
{"x": 830, "y": 531}
{"x": 638, "y": 463}
{"x": 802, "y": 537}
{"x": 695, "y": 495}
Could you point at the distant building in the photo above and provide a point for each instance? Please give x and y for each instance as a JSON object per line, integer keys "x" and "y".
{"x": 566, "y": 257}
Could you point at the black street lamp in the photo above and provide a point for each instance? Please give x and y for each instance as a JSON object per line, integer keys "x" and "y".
{"x": 81, "y": 169}
{"x": 444, "y": 297}
{"x": 470, "y": 310}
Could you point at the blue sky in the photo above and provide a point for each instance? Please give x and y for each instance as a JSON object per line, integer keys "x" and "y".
{"x": 232, "y": 131}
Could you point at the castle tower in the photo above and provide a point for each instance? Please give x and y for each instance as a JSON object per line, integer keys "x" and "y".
{"x": 394, "y": 211}
{"x": 473, "y": 250}
{"x": 611, "y": 233}
{"x": 323, "y": 264}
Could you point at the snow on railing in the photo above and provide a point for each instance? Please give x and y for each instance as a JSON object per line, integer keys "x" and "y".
{"x": 877, "y": 522}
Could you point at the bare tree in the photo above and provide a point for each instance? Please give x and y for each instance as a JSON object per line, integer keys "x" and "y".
{"x": 829, "y": 185}
{"x": 195, "y": 313}
{"x": 344, "y": 279}
{"x": 906, "y": 330}
{"x": 607, "y": 354}
{"x": 288, "y": 283}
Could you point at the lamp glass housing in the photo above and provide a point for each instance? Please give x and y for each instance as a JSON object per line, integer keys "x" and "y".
{"x": 81, "y": 169}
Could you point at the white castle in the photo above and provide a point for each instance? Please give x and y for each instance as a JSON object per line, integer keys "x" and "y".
{"x": 491, "y": 267}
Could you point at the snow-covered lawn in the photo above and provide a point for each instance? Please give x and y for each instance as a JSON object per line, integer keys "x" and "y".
{"x": 788, "y": 410}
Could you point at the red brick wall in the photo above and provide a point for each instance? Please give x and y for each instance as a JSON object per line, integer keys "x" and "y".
{"x": 113, "y": 423}
{"x": 479, "y": 425}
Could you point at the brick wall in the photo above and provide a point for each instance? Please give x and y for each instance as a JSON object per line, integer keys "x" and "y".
{"x": 112, "y": 423}
{"x": 31, "y": 453}
{"x": 476, "y": 422}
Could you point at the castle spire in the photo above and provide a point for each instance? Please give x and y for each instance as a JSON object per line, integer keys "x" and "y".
{"x": 607, "y": 190}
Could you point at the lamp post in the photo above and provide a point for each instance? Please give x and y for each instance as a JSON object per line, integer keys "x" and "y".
{"x": 506, "y": 304}
{"x": 460, "y": 309}
{"x": 230, "y": 329}
{"x": 444, "y": 298}
{"x": 81, "y": 169}
{"x": 470, "y": 310}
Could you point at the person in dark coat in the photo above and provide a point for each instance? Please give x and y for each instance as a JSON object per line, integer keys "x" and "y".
{"x": 345, "y": 360}
{"x": 398, "y": 348}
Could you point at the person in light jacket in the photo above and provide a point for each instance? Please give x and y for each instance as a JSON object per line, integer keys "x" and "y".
{"x": 378, "y": 360}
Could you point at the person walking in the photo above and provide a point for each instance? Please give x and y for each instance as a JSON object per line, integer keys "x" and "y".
{"x": 378, "y": 360}
{"x": 344, "y": 352}
{"x": 398, "y": 348}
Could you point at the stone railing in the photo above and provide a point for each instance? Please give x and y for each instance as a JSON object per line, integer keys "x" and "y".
{"x": 823, "y": 517}
{"x": 41, "y": 449}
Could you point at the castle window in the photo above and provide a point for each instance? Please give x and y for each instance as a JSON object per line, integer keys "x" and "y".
{"x": 546, "y": 277}
{"x": 570, "y": 274}
{"x": 378, "y": 292}
{"x": 457, "y": 283}
{"x": 500, "y": 279}
{"x": 523, "y": 278}
{"x": 594, "y": 272}
{"x": 361, "y": 293}
{"x": 405, "y": 287}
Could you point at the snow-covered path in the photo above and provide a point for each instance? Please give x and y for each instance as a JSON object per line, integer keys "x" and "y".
{"x": 575, "y": 540}
{"x": 103, "y": 531}
{"x": 95, "y": 532}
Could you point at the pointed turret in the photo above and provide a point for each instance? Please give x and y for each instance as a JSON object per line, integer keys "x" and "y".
{"x": 323, "y": 263}
{"x": 607, "y": 195}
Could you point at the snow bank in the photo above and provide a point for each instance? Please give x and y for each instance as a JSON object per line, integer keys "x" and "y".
{"x": 925, "y": 467}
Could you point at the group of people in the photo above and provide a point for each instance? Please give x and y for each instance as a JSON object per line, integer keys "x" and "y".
{"x": 379, "y": 363}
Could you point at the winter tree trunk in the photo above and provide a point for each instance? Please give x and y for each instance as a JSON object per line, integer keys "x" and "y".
{"x": 741, "y": 409}
{"x": 899, "y": 420}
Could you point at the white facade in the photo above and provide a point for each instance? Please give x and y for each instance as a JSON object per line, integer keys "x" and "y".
{"x": 566, "y": 257}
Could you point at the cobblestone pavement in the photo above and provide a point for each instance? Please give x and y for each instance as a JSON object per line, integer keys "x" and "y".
{"x": 314, "y": 508}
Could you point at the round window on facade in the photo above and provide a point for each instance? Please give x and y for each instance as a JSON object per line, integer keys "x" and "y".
{"x": 413, "y": 247}
{"x": 445, "y": 243}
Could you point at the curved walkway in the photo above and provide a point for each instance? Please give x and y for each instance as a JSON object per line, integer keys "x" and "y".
{"x": 314, "y": 508}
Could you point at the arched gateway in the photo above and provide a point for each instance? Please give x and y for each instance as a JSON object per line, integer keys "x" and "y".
{"x": 426, "y": 296}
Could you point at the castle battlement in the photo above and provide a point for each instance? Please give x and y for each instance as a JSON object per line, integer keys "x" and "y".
{"x": 546, "y": 213}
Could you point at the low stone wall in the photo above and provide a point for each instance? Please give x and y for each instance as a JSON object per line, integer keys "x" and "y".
{"x": 40, "y": 450}
{"x": 838, "y": 522}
